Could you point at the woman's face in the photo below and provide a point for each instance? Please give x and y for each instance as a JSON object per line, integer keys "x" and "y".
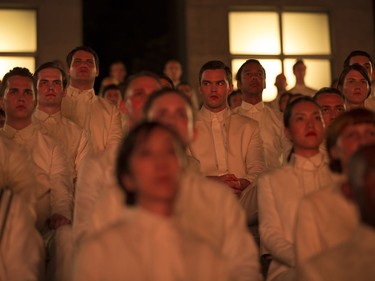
{"x": 355, "y": 88}
{"x": 155, "y": 168}
{"x": 350, "y": 140}
{"x": 306, "y": 129}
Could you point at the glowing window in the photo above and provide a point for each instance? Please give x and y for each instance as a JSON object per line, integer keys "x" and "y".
{"x": 18, "y": 39}
{"x": 277, "y": 40}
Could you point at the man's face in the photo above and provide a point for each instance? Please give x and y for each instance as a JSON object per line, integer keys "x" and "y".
{"x": 173, "y": 70}
{"x": 113, "y": 96}
{"x": 118, "y": 71}
{"x": 252, "y": 80}
{"x": 300, "y": 71}
{"x": 50, "y": 87}
{"x": 215, "y": 87}
{"x": 364, "y": 61}
{"x": 172, "y": 110}
{"x": 19, "y": 98}
{"x": 332, "y": 105}
{"x": 137, "y": 94}
{"x": 83, "y": 67}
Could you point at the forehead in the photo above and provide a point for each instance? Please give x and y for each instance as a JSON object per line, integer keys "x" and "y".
{"x": 49, "y": 72}
{"x": 83, "y": 55}
{"x": 329, "y": 98}
{"x": 252, "y": 66}
{"x": 304, "y": 107}
{"x": 359, "y": 59}
{"x": 218, "y": 74}
{"x": 20, "y": 81}
{"x": 354, "y": 73}
{"x": 144, "y": 82}
{"x": 169, "y": 101}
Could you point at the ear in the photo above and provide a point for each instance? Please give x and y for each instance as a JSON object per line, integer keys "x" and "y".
{"x": 287, "y": 134}
{"x": 128, "y": 182}
{"x": 239, "y": 85}
{"x": 97, "y": 72}
{"x": 230, "y": 90}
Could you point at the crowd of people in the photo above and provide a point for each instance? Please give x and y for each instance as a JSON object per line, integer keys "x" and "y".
{"x": 147, "y": 180}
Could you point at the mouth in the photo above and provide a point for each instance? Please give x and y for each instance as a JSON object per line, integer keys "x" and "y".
{"x": 20, "y": 107}
{"x": 311, "y": 134}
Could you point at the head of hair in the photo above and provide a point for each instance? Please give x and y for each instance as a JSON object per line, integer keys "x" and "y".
{"x": 358, "y": 68}
{"x": 16, "y": 71}
{"x": 334, "y": 131}
{"x": 298, "y": 61}
{"x": 166, "y": 91}
{"x": 166, "y": 78}
{"x": 213, "y": 65}
{"x": 361, "y": 164}
{"x": 289, "y": 108}
{"x": 239, "y": 72}
{"x": 356, "y": 53}
{"x": 137, "y": 137}
{"x": 232, "y": 95}
{"x": 54, "y": 65}
{"x": 69, "y": 57}
{"x": 328, "y": 90}
{"x": 108, "y": 88}
{"x": 137, "y": 75}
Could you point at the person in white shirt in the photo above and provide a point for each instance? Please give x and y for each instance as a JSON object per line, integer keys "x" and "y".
{"x": 55, "y": 181}
{"x": 97, "y": 177}
{"x": 332, "y": 103}
{"x": 21, "y": 246}
{"x": 98, "y": 117}
{"x": 355, "y": 85}
{"x": 299, "y": 71}
{"x": 352, "y": 260}
{"x": 281, "y": 190}
{"x": 50, "y": 81}
{"x": 228, "y": 145}
{"x": 251, "y": 81}
{"x": 328, "y": 217}
{"x": 150, "y": 243}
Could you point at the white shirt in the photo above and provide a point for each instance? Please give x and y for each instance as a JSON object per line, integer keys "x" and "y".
{"x": 353, "y": 260}
{"x": 325, "y": 219}
{"x": 276, "y": 145}
{"x": 98, "y": 117}
{"x": 73, "y": 138}
{"x": 145, "y": 246}
{"x": 279, "y": 194}
{"x": 55, "y": 182}
{"x": 21, "y": 246}
{"x": 242, "y": 144}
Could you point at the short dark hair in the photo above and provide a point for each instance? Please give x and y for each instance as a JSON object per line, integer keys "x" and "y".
{"x": 351, "y": 117}
{"x": 216, "y": 64}
{"x": 356, "y": 53}
{"x": 169, "y": 80}
{"x": 298, "y": 61}
{"x": 239, "y": 72}
{"x": 108, "y": 88}
{"x": 289, "y": 108}
{"x": 69, "y": 57}
{"x": 165, "y": 91}
{"x": 358, "y": 68}
{"x": 232, "y": 94}
{"x": 16, "y": 71}
{"x": 137, "y": 136}
{"x": 51, "y": 64}
{"x": 135, "y": 76}
{"x": 328, "y": 90}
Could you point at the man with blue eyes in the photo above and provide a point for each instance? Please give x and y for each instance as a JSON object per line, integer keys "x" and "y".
{"x": 101, "y": 120}
{"x": 251, "y": 81}
{"x": 228, "y": 146}
{"x": 54, "y": 190}
{"x": 50, "y": 81}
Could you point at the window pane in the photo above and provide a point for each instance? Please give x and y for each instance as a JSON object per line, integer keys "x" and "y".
{"x": 7, "y": 63}
{"x": 318, "y": 73}
{"x": 272, "y": 67}
{"x": 17, "y": 31}
{"x": 305, "y": 33}
{"x": 254, "y": 33}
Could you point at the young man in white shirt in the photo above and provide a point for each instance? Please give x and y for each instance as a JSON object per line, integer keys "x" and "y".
{"x": 50, "y": 81}
{"x": 101, "y": 120}
{"x": 251, "y": 81}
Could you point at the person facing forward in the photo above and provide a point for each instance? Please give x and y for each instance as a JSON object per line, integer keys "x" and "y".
{"x": 299, "y": 71}
{"x": 101, "y": 120}
{"x": 228, "y": 146}
{"x": 306, "y": 171}
{"x": 50, "y": 81}
{"x": 251, "y": 81}
{"x": 150, "y": 239}
{"x": 355, "y": 85}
